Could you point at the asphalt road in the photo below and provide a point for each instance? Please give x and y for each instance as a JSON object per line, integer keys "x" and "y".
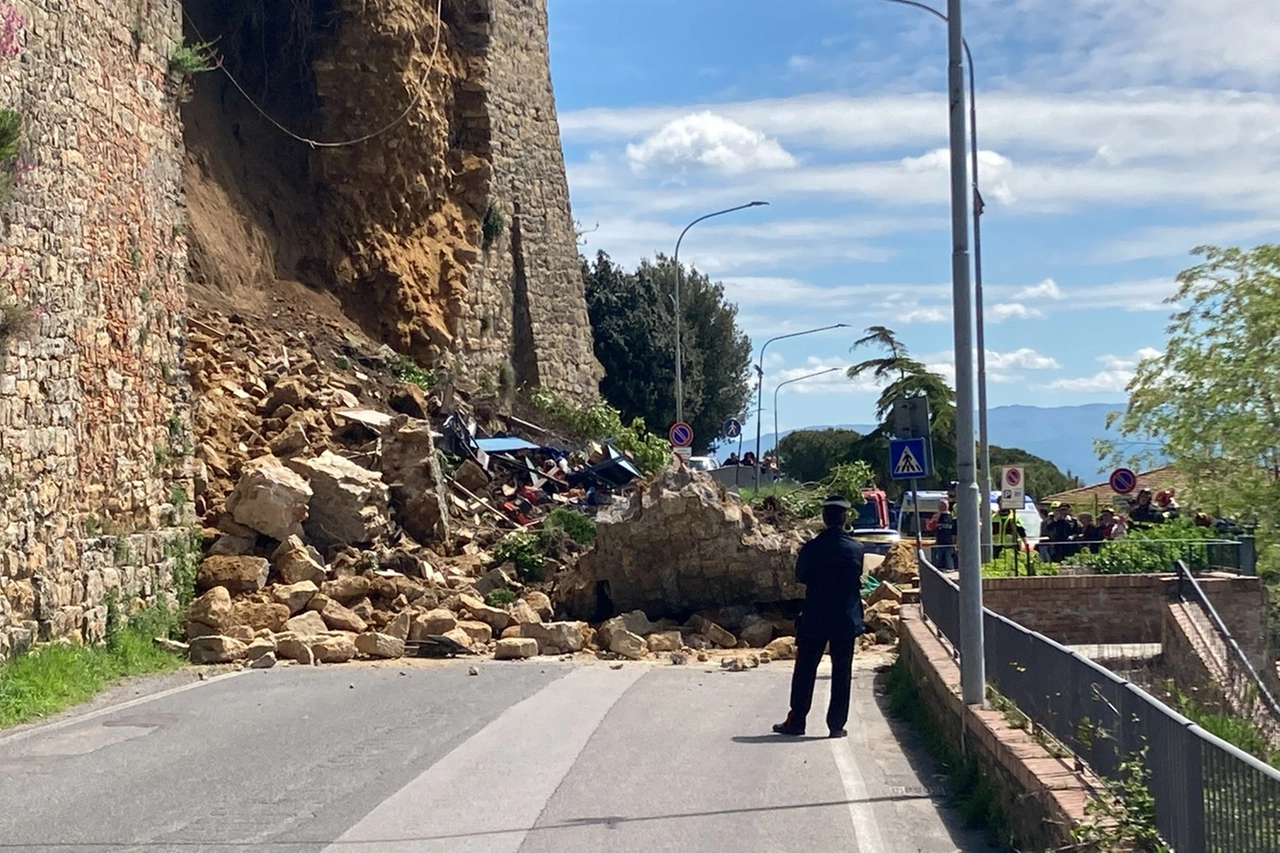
{"x": 527, "y": 757}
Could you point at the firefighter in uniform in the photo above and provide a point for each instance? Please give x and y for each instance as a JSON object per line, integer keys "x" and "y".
{"x": 830, "y": 567}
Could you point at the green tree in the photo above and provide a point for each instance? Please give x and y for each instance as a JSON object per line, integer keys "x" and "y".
{"x": 633, "y": 326}
{"x": 907, "y": 377}
{"x": 808, "y": 455}
{"x": 1210, "y": 402}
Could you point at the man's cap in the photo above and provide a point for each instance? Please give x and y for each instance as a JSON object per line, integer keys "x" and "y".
{"x": 1055, "y": 504}
{"x": 837, "y": 500}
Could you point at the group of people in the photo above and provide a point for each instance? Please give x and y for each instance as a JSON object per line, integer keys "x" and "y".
{"x": 768, "y": 462}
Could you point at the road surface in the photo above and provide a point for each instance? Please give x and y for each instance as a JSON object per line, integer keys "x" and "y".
{"x": 419, "y": 757}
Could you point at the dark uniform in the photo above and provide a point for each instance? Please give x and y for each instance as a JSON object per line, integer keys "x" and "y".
{"x": 830, "y": 567}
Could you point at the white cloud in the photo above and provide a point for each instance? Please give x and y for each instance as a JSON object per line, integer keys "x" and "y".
{"x": 1002, "y": 311}
{"x": 834, "y": 382}
{"x": 712, "y": 141}
{"x": 1115, "y": 376}
{"x": 1025, "y": 358}
{"x": 1047, "y": 289}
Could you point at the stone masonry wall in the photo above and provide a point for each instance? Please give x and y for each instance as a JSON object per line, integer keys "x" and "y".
{"x": 93, "y": 402}
{"x": 529, "y": 284}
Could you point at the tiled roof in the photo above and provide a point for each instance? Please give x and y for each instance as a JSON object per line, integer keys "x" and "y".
{"x": 1155, "y": 480}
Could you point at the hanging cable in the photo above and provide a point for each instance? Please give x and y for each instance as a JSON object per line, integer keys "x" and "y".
{"x": 315, "y": 143}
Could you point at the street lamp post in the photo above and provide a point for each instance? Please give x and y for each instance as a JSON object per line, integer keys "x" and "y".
{"x": 984, "y": 463}
{"x": 775, "y": 402}
{"x": 679, "y": 359}
{"x": 760, "y": 386}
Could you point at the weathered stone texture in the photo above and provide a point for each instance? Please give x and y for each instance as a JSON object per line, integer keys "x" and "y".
{"x": 93, "y": 404}
{"x": 526, "y": 311}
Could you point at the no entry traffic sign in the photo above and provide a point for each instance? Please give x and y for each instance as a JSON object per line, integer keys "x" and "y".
{"x": 680, "y": 434}
{"x": 1123, "y": 481}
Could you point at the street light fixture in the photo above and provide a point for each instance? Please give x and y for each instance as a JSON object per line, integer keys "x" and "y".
{"x": 979, "y": 322}
{"x": 775, "y": 403}
{"x": 679, "y": 359}
{"x": 760, "y": 386}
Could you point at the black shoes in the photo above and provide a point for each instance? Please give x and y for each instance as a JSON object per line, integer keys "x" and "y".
{"x": 839, "y": 733}
{"x": 788, "y": 728}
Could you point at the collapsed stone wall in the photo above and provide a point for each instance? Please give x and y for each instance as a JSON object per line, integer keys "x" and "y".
{"x": 94, "y": 480}
{"x": 448, "y": 234}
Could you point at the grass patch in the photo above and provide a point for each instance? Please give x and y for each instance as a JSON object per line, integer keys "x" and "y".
{"x": 971, "y": 793}
{"x": 54, "y": 677}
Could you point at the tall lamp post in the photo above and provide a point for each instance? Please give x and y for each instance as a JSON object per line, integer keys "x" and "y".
{"x": 775, "y": 400}
{"x": 679, "y": 359}
{"x": 979, "y": 322}
{"x": 760, "y": 386}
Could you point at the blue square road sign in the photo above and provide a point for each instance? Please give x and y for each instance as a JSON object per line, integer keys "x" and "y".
{"x": 909, "y": 459}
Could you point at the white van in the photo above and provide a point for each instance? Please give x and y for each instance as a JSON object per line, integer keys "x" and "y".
{"x": 1028, "y": 516}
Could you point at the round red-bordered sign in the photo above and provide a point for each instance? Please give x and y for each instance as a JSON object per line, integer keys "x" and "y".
{"x": 680, "y": 434}
{"x": 1012, "y": 478}
{"x": 1123, "y": 481}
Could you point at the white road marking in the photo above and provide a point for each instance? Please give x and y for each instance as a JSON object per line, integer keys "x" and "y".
{"x": 861, "y": 812}
{"x": 111, "y": 709}
{"x": 454, "y": 805}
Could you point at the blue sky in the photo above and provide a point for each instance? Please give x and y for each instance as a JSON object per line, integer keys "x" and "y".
{"x": 1114, "y": 138}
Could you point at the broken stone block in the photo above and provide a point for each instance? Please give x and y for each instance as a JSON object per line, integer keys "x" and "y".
{"x": 522, "y": 612}
{"x": 291, "y": 441}
{"x": 294, "y": 595}
{"x": 399, "y": 626}
{"x": 229, "y": 545}
{"x": 783, "y": 648}
{"x": 173, "y": 646}
{"x": 336, "y": 648}
{"x": 885, "y": 592}
{"x": 540, "y": 603}
{"x": 291, "y": 646}
{"x": 216, "y": 649}
{"x": 479, "y": 632}
{"x": 243, "y": 633}
{"x": 307, "y": 624}
{"x": 409, "y": 461}
{"x": 237, "y": 574}
{"x": 409, "y": 399}
{"x": 295, "y": 563}
{"x": 259, "y": 647}
{"x": 434, "y": 622}
{"x": 638, "y": 623}
{"x": 349, "y": 504}
{"x": 713, "y": 632}
{"x": 199, "y": 629}
{"x": 496, "y": 618}
{"x": 260, "y": 614}
{"x": 213, "y": 608}
{"x": 460, "y": 637}
{"x": 665, "y": 641}
{"x": 270, "y": 499}
{"x": 628, "y": 645}
{"x": 266, "y": 661}
{"x": 515, "y": 648}
{"x": 347, "y": 590}
{"x": 289, "y": 391}
{"x": 512, "y": 631}
{"x": 497, "y": 578}
{"x": 756, "y": 631}
{"x": 472, "y": 477}
{"x": 561, "y": 636}
{"x": 377, "y": 645}
{"x": 339, "y": 618}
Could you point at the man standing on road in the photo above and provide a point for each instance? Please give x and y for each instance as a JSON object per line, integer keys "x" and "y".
{"x": 830, "y": 567}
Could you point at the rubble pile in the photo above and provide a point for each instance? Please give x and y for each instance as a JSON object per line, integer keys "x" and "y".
{"x": 348, "y": 513}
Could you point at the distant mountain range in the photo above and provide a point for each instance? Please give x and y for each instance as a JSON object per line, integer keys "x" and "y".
{"x": 1062, "y": 434}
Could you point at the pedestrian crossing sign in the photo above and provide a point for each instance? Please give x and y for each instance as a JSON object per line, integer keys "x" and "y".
{"x": 909, "y": 459}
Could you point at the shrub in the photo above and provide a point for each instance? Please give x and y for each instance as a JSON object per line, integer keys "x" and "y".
{"x": 500, "y": 598}
{"x": 596, "y": 420}
{"x": 576, "y": 526}
{"x": 1151, "y": 550}
{"x": 522, "y": 549}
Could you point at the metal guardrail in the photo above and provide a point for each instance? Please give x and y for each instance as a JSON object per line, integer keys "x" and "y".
{"x": 1210, "y": 797}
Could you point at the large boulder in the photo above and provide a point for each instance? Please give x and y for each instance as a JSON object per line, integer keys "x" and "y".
{"x": 236, "y": 574}
{"x": 756, "y": 631}
{"x": 496, "y": 618}
{"x": 555, "y": 637}
{"x": 409, "y": 462}
{"x": 335, "y": 648}
{"x": 515, "y": 648}
{"x": 216, "y": 649}
{"x": 375, "y": 645}
{"x": 294, "y": 595}
{"x": 348, "y": 590}
{"x": 682, "y": 544}
{"x": 436, "y": 622}
{"x": 307, "y": 624}
{"x": 340, "y": 618}
{"x": 295, "y": 563}
{"x": 628, "y": 645}
{"x": 522, "y": 612}
{"x": 783, "y": 648}
{"x": 348, "y": 503}
{"x": 270, "y": 499}
{"x": 213, "y": 609}
{"x": 260, "y": 615}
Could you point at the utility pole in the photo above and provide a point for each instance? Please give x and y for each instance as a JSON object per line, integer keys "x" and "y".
{"x": 969, "y": 512}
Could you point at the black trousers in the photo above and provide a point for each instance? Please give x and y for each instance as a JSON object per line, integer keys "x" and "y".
{"x": 811, "y": 640}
